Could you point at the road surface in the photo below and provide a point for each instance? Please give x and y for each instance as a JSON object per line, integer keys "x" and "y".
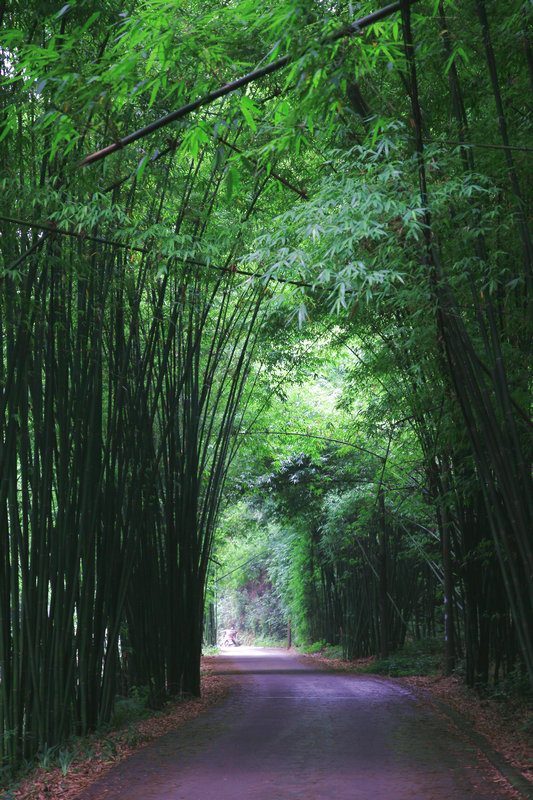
{"x": 289, "y": 730}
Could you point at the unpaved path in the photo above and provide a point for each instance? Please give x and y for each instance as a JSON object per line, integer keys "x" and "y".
{"x": 288, "y": 730}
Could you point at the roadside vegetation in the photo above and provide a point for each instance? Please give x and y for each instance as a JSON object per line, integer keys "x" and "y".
{"x": 62, "y": 772}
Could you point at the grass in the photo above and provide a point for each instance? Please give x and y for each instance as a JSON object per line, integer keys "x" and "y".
{"x": 327, "y": 650}
{"x": 314, "y": 647}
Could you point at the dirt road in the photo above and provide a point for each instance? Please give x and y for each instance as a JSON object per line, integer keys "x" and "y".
{"x": 288, "y": 730}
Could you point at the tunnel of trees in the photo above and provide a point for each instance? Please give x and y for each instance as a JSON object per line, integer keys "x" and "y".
{"x": 266, "y": 288}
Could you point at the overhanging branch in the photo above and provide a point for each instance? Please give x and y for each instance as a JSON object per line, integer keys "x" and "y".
{"x": 51, "y": 228}
{"x": 307, "y": 435}
{"x": 349, "y": 30}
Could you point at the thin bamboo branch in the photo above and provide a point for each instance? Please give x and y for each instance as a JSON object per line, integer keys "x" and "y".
{"x": 148, "y": 250}
{"x": 349, "y": 30}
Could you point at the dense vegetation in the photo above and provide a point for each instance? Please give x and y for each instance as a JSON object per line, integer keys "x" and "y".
{"x": 267, "y": 268}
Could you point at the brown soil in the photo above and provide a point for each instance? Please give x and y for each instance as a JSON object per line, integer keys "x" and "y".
{"x": 105, "y": 751}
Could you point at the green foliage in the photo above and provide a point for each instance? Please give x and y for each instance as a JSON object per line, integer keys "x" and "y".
{"x": 241, "y": 587}
{"x": 418, "y": 658}
{"x": 305, "y": 304}
{"x": 514, "y": 687}
{"x": 133, "y": 707}
{"x": 210, "y": 650}
{"x": 315, "y": 647}
{"x": 66, "y": 758}
{"x": 47, "y": 756}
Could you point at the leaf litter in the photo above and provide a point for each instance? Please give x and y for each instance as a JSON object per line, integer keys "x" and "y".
{"x": 93, "y": 756}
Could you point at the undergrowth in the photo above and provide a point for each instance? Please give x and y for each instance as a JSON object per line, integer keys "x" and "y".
{"x": 417, "y": 658}
{"x": 322, "y": 647}
{"x": 210, "y": 650}
{"x": 128, "y": 711}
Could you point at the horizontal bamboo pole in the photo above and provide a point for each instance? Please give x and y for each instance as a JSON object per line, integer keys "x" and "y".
{"x": 349, "y": 30}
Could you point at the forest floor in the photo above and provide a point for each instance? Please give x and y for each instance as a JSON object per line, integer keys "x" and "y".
{"x": 505, "y": 722}
{"x": 88, "y": 759}
{"x": 506, "y": 725}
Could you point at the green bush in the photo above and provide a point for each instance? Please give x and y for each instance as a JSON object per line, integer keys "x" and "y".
{"x": 514, "y": 686}
{"x": 130, "y": 708}
{"x": 210, "y": 650}
{"x": 417, "y": 658}
{"x": 315, "y": 647}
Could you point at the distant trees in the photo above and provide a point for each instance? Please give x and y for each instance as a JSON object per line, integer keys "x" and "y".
{"x": 365, "y": 546}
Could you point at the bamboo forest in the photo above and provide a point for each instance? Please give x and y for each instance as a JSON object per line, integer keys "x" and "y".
{"x": 266, "y": 317}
